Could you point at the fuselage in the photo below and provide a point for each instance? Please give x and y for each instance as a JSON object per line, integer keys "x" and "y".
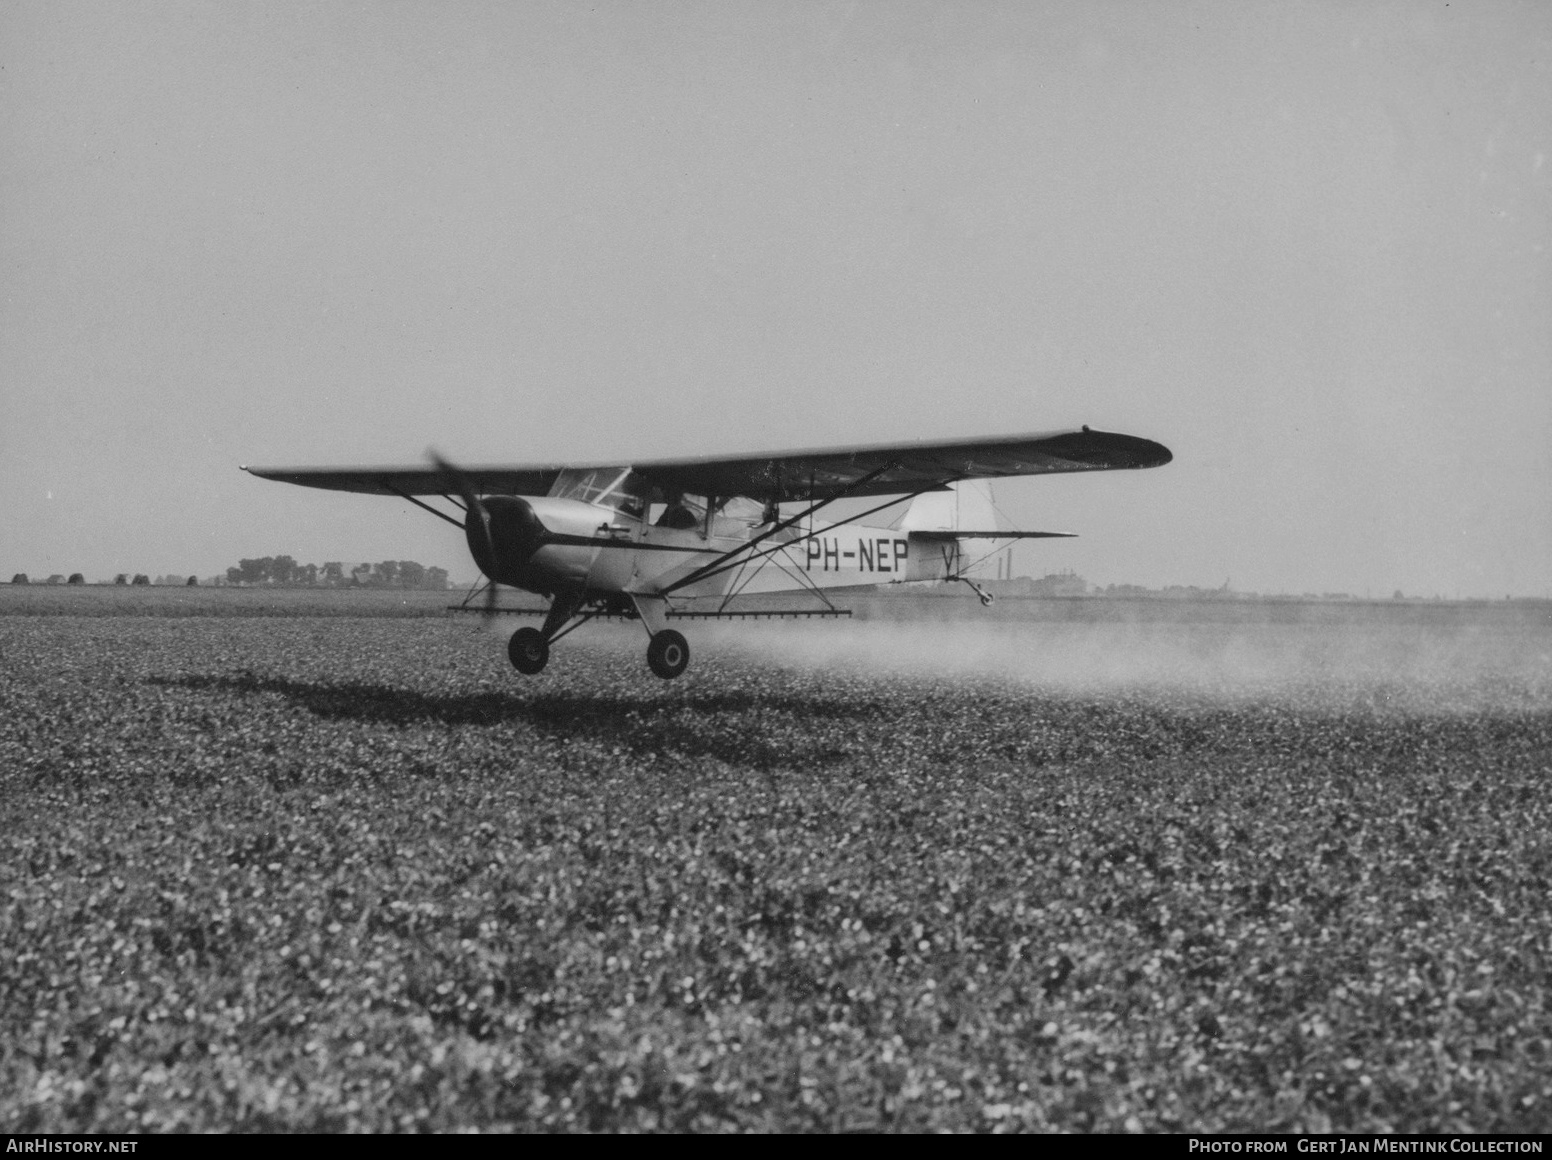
{"x": 692, "y": 534}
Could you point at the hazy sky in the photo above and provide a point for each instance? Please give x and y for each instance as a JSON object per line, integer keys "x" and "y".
{"x": 1302, "y": 244}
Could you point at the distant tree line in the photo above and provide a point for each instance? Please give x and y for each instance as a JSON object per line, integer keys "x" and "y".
{"x": 385, "y": 574}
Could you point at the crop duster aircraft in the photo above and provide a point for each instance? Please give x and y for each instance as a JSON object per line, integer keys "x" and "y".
{"x": 650, "y": 540}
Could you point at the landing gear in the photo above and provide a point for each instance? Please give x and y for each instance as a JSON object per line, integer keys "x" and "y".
{"x": 668, "y": 654}
{"x": 528, "y": 650}
{"x": 986, "y": 597}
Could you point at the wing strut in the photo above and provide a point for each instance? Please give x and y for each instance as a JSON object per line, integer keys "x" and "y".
{"x": 735, "y": 589}
{"x": 439, "y": 515}
{"x": 720, "y": 565}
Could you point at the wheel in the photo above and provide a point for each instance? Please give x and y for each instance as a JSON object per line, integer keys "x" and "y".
{"x": 528, "y": 650}
{"x": 668, "y": 654}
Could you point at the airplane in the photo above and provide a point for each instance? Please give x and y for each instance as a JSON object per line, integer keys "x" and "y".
{"x": 650, "y": 539}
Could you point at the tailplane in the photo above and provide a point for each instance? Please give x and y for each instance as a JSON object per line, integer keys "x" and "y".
{"x": 959, "y": 531}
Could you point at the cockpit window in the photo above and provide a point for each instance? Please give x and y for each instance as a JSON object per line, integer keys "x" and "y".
{"x": 685, "y": 511}
{"x": 682, "y": 512}
{"x": 612, "y": 487}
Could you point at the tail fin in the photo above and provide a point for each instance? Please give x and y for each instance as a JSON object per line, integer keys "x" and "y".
{"x": 966, "y": 507}
{"x": 967, "y": 504}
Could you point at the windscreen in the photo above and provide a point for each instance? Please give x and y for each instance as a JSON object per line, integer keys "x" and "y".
{"x": 613, "y": 487}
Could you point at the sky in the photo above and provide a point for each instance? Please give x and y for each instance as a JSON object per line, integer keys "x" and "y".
{"x": 1302, "y": 245}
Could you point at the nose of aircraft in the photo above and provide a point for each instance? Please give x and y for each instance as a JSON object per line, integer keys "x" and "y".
{"x": 515, "y": 534}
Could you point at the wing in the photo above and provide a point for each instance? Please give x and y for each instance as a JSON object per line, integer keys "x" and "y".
{"x": 887, "y": 469}
{"x": 903, "y": 467}
{"x": 415, "y": 480}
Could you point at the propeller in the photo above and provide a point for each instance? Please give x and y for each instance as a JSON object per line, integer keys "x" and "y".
{"x": 476, "y": 529}
{"x": 503, "y": 531}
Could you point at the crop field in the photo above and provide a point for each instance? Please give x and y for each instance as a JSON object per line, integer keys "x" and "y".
{"x": 336, "y": 866}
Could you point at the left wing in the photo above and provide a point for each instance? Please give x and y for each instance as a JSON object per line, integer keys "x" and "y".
{"x": 884, "y": 469}
{"x": 415, "y": 480}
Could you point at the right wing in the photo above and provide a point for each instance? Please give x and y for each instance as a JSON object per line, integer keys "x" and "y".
{"x": 896, "y": 468}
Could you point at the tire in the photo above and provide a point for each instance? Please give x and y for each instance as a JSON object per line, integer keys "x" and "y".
{"x": 668, "y": 655}
{"x": 528, "y": 651}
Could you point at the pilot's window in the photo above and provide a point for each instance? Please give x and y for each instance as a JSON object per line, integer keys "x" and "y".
{"x": 743, "y": 510}
{"x": 682, "y": 511}
{"x": 613, "y": 487}
{"x": 679, "y": 516}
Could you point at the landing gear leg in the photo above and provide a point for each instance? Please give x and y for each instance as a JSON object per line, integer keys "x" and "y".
{"x": 986, "y": 597}
{"x": 528, "y": 651}
{"x": 562, "y": 609}
{"x": 668, "y": 654}
{"x": 529, "y": 648}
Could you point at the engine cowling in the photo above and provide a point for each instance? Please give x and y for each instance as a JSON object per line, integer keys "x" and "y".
{"x": 533, "y": 543}
{"x": 514, "y": 534}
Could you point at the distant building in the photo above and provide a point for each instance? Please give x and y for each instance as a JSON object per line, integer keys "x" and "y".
{"x": 1127, "y": 590}
{"x": 1067, "y": 583}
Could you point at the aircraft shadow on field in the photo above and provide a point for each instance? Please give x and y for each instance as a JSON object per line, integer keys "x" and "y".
{"x": 639, "y": 722}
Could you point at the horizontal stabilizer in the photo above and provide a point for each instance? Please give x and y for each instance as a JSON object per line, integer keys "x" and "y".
{"x": 961, "y": 534}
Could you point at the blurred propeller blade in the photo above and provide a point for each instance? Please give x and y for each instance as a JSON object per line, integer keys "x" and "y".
{"x": 475, "y": 517}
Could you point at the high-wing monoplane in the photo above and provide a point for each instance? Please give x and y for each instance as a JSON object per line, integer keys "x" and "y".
{"x": 659, "y": 539}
